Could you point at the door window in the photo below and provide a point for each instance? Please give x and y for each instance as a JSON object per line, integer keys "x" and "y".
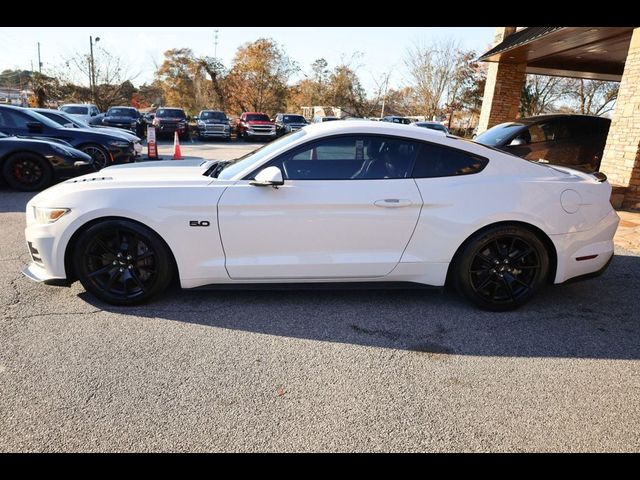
{"x": 353, "y": 157}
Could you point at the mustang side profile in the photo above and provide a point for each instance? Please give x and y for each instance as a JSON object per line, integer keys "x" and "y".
{"x": 353, "y": 201}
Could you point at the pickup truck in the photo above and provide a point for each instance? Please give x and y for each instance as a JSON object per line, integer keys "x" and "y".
{"x": 255, "y": 125}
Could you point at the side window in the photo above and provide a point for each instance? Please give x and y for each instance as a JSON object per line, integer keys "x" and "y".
{"x": 549, "y": 132}
{"x": 94, "y": 111}
{"x": 14, "y": 120}
{"x": 436, "y": 161}
{"x": 357, "y": 157}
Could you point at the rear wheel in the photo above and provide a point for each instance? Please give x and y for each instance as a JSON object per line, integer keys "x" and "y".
{"x": 501, "y": 268}
{"x": 122, "y": 262}
{"x": 27, "y": 172}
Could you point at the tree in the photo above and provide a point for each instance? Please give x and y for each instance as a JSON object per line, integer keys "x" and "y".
{"x": 541, "y": 94}
{"x": 176, "y": 78}
{"x": 113, "y": 83}
{"x": 258, "y": 77}
{"x": 432, "y": 73}
{"x": 346, "y": 91}
{"x": 592, "y": 97}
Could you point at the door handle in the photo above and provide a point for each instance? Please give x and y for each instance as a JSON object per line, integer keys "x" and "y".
{"x": 392, "y": 203}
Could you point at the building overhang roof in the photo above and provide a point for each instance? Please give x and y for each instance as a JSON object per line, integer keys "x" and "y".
{"x": 597, "y": 53}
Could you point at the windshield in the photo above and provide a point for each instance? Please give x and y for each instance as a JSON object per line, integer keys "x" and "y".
{"x": 121, "y": 112}
{"x": 498, "y": 134}
{"x": 170, "y": 113}
{"x": 213, "y": 116}
{"x": 75, "y": 110}
{"x": 293, "y": 119}
{"x": 253, "y": 158}
{"x": 258, "y": 118}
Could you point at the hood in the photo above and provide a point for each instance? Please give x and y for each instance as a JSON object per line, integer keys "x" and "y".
{"x": 117, "y": 132}
{"x": 107, "y": 134}
{"x": 259, "y": 122}
{"x": 28, "y": 138}
{"x": 119, "y": 119}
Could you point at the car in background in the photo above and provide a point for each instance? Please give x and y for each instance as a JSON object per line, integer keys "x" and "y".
{"x": 255, "y": 125}
{"x": 432, "y": 126}
{"x": 85, "y": 111}
{"x": 321, "y": 119}
{"x": 71, "y": 121}
{"x": 289, "y": 122}
{"x": 169, "y": 120}
{"x": 27, "y": 164}
{"x": 576, "y": 141}
{"x": 213, "y": 124}
{"x": 126, "y": 118}
{"x": 105, "y": 149}
{"x": 397, "y": 119}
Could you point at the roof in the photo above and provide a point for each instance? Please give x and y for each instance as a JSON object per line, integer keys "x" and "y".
{"x": 596, "y": 53}
{"x": 542, "y": 118}
{"x": 516, "y": 39}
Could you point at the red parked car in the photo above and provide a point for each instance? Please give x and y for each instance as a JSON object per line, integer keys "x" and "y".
{"x": 255, "y": 125}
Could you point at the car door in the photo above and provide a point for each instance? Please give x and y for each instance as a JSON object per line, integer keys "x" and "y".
{"x": 347, "y": 209}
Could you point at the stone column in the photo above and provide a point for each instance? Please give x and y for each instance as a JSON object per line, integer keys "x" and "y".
{"x": 503, "y": 89}
{"x": 621, "y": 158}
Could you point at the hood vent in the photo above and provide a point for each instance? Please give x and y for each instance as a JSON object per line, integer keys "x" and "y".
{"x": 92, "y": 179}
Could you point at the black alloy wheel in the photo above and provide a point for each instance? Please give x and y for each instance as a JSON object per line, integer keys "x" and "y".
{"x": 99, "y": 155}
{"x": 502, "y": 268}
{"x": 27, "y": 172}
{"x": 122, "y": 262}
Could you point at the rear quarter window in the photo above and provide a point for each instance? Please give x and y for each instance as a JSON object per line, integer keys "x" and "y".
{"x": 435, "y": 161}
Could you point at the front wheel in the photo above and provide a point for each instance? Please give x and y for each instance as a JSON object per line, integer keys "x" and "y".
{"x": 122, "y": 262}
{"x": 27, "y": 172}
{"x": 100, "y": 156}
{"x": 501, "y": 268}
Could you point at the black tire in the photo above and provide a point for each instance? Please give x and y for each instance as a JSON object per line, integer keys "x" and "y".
{"x": 101, "y": 157}
{"x": 501, "y": 268}
{"x": 27, "y": 171}
{"x": 122, "y": 262}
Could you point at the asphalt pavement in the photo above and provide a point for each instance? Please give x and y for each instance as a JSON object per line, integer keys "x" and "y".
{"x": 329, "y": 370}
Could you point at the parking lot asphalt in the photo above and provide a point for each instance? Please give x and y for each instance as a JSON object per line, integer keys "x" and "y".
{"x": 328, "y": 370}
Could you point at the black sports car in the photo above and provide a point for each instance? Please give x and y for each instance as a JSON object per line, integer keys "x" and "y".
{"x": 29, "y": 164}
{"x": 104, "y": 148}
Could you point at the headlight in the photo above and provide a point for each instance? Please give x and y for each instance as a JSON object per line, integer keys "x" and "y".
{"x": 60, "y": 150}
{"x": 134, "y": 123}
{"x": 48, "y": 215}
{"x": 119, "y": 143}
{"x": 226, "y": 128}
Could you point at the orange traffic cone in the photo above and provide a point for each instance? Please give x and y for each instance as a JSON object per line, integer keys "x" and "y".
{"x": 177, "y": 154}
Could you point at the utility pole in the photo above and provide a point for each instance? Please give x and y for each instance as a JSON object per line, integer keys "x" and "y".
{"x": 92, "y": 69}
{"x": 384, "y": 95}
{"x": 215, "y": 44}
{"x": 39, "y": 61}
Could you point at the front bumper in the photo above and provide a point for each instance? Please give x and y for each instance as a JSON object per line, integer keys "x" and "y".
{"x": 123, "y": 155}
{"x": 171, "y": 128}
{"x": 258, "y": 133}
{"x": 214, "y": 133}
{"x": 585, "y": 253}
{"x": 36, "y": 273}
{"x": 124, "y": 126}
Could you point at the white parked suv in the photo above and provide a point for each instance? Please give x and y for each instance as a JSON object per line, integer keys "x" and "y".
{"x": 86, "y": 111}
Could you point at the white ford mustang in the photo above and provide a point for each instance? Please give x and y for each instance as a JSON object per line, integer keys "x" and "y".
{"x": 334, "y": 202}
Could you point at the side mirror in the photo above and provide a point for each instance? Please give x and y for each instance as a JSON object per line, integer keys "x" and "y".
{"x": 196, "y": 118}
{"x": 68, "y": 125}
{"x": 269, "y": 177}
{"x": 93, "y": 114}
{"x": 517, "y": 142}
{"x": 34, "y": 127}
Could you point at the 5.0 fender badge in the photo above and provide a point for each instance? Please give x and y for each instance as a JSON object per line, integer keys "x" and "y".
{"x": 199, "y": 223}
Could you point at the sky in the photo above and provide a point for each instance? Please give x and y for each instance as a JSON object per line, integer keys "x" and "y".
{"x": 382, "y": 49}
